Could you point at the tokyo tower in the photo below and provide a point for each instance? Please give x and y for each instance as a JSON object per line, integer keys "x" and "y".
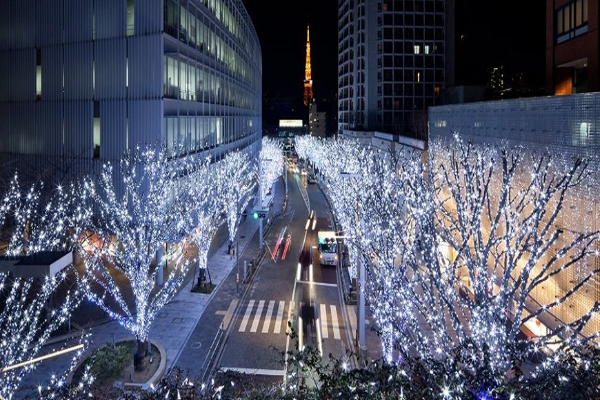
{"x": 308, "y": 93}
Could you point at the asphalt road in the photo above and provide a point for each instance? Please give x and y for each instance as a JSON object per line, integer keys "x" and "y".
{"x": 256, "y": 340}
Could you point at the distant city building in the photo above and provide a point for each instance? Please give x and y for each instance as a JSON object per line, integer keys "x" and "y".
{"x": 391, "y": 64}
{"x": 81, "y": 81}
{"x": 572, "y": 46}
{"x": 276, "y": 108}
{"x": 497, "y": 78}
{"x": 501, "y": 63}
{"x": 317, "y": 121}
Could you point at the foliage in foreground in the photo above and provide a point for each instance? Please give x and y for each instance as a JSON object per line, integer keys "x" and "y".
{"x": 573, "y": 376}
{"x": 109, "y": 362}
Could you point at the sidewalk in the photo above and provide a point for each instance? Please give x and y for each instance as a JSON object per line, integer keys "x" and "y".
{"x": 179, "y": 318}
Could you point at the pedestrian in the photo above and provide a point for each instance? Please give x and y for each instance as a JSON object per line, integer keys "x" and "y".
{"x": 229, "y": 248}
{"x": 232, "y": 253}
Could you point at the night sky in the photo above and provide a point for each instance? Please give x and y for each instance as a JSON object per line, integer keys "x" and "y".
{"x": 497, "y": 32}
{"x": 281, "y": 28}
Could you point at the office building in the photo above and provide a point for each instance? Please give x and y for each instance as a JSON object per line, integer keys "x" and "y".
{"x": 391, "y": 64}
{"x": 317, "y": 121}
{"x": 572, "y": 46}
{"x": 81, "y": 81}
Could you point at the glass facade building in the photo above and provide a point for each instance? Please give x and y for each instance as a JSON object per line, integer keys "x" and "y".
{"x": 390, "y": 64}
{"x": 81, "y": 81}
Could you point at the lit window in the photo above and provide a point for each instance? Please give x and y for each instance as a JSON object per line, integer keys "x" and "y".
{"x": 417, "y": 49}
{"x": 38, "y": 73}
{"x": 130, "y": 18}
{"x": 97, "y": 137}
{"x": 426, "y": 49}
{"x": 38, "y": 80}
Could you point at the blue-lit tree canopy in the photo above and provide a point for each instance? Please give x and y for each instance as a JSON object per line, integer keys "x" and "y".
{"x": 468, "y": 253}
{"x": 271, "y": 164}
{"x": 235, "y": 180}
{"x": 131, "y": 227}
{"x": 35, "y": 223}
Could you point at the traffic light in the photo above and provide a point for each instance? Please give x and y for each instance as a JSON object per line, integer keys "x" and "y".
{"x": 259, "y": 214}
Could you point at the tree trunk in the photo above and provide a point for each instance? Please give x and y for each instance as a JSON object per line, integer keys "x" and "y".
{"x": 142, "y": 348}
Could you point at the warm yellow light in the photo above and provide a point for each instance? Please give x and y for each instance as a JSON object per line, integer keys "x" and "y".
{"x": 42, "y": 358}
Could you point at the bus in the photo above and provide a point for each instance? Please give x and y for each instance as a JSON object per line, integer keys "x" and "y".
{"x": 328, "y": 248}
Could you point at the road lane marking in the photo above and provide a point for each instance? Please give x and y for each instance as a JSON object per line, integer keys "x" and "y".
{"x": 257, "y": 315}
{"x": 324, "y": 330}
{"x": 246, "y": 316}
{"x": 279, "y": 319}
{"x": 255, "y": 371}
{"x": 267, "y": 323}
{"x": 334, "y": 322}
{"x": 319, "y": 283}
{"x": 229, "y": 313}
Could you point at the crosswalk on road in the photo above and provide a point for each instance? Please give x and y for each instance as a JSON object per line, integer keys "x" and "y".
{"x": 272, "y": 314}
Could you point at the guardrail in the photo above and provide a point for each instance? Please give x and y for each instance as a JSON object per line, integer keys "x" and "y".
{"x": 211, "y": 352}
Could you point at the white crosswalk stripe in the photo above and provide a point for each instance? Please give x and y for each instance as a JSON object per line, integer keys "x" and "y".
{"x": 324, "y": 330}
{"x": 246, "y": 316}
{"x": 268, "y": 317}
{"x": 273, "y": 313}
{"x": 334, "y": 322}
{"x": 257, "y": 316}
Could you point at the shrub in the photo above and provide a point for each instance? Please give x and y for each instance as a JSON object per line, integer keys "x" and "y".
{"x": 108, "y": 362}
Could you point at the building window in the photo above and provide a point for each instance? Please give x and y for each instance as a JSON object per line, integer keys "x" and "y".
{"x": 38, "y": 73}
{"x": 571, "y": 20}
{"x": 96, "y": 129}
{"x": 426, "y": 49}
{"x": 38, "y": 81}
{"x": 417, "y": 49}
{"x": 580, "y": 80}
{"x": 130, "y": 18}
{"x": 96, "y": 137}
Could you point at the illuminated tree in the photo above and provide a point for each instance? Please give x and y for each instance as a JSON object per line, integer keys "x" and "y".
{"x": 271, "y": 160}
{"x": 494, "y": 241}
{"x": 33, "y": 309}
{"x": 207, "y": 215}
{"x": 236, "y": 178}
{"x": 469, "y": 251}
{"x": 130, "y": 228}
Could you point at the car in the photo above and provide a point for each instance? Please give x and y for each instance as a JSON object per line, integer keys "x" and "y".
{"x": 311, "y": 178}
